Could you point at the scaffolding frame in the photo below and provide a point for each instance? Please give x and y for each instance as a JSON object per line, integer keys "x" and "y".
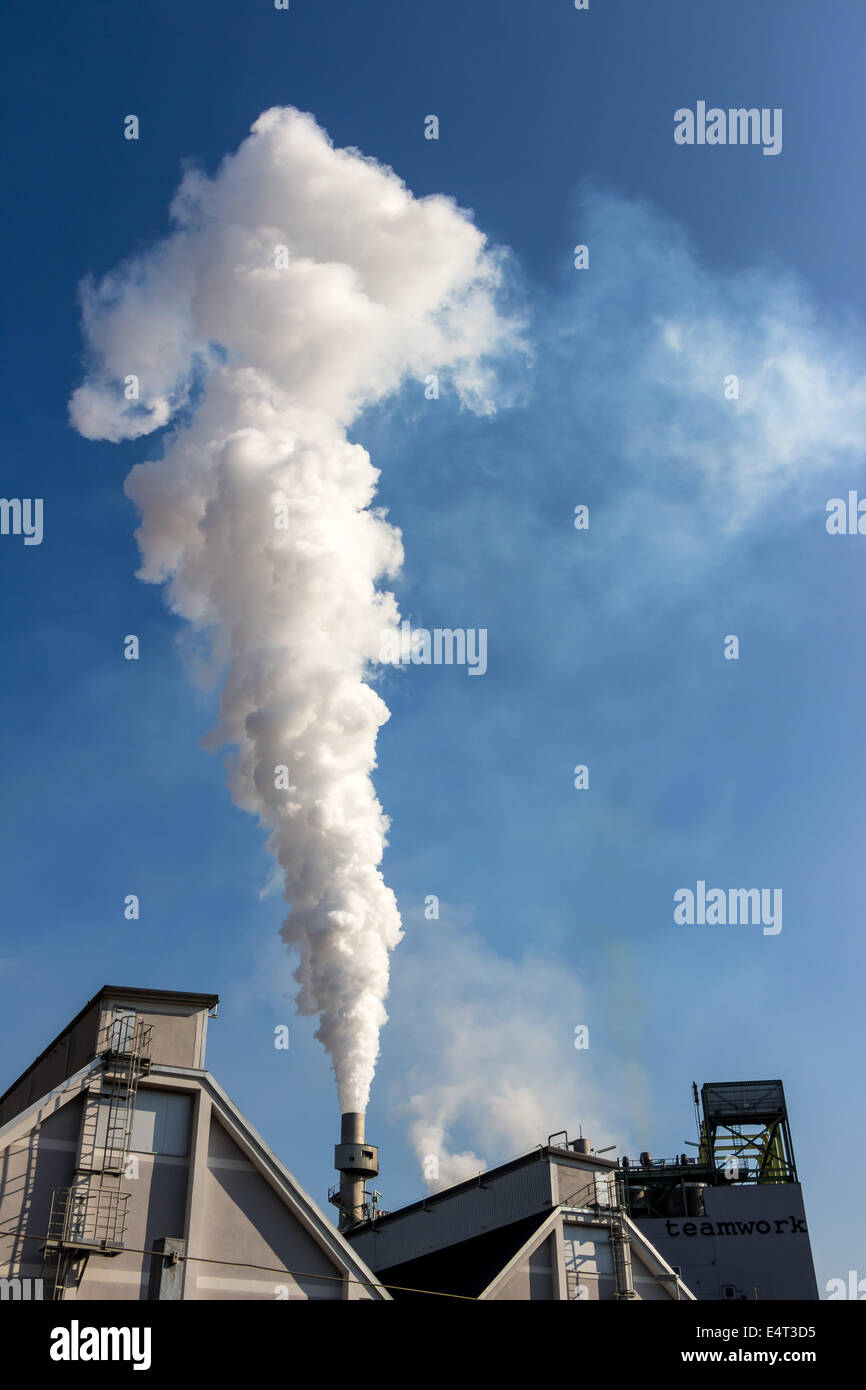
{"x": 746, "y": 1122}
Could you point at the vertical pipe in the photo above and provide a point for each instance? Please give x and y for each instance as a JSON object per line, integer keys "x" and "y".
{"x": 352, "y": 1127}
{"x": 351, "y": 1183}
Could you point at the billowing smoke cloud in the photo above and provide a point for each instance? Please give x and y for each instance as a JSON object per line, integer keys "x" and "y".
{"x": 693, "y": 486}
{"x": 298, "y": 286}
{"x": 492, "y": 1041}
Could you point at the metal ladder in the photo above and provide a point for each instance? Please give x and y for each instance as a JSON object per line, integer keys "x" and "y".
{"x": 610, "y": 1214}
{"x": 90, "y": 1215}
{"x": 620, "y": 1243}
{"x": 620, "y": 1249}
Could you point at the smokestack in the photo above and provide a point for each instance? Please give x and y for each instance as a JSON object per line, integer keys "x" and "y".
{"x": 355, "y": 1161}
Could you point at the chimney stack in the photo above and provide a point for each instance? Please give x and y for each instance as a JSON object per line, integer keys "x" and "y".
{"x": 355, "y": 1161}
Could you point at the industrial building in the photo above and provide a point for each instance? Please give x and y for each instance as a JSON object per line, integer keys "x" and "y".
{"x": 127, "y": 1173}
{"x": 731, "y": 1218}
{"x": 563, "y": 1222}
{"x": 551, "y": 1225}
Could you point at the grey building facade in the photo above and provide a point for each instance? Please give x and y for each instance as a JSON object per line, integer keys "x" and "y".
{"x": 563, "y": 1222}
{"x": 731, "y": 1217}
{"x": 748, "y": 1242}
{"x": 548, "y": 1226}
{"x": 127, "y": 1173}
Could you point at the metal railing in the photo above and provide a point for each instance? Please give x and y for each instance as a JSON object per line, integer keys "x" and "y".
{"x": 89, "y": 1216}
{"x": 82, "y": 1217}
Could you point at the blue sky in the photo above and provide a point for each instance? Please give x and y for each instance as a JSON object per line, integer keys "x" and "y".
{"x": 605, "y": 647}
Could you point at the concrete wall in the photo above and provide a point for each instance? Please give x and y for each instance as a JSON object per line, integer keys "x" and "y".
{"x": 750, "y": 1237}
{"x": 244, "y": 1220}
{"x": 30, "y": 1169}
{"x": 585, "y": 1273}
{"x": 178, "y": 1029}
{"x": 588, "y": 1263}
{"x": 158, "y": 1186}
{"x": 534, "y": 1278}
{"x": 578, "y": 1179}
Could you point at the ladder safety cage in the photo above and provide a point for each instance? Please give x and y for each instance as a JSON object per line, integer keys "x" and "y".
{"x": 603, "y": 1197}
{"x": 89, "y": 1216}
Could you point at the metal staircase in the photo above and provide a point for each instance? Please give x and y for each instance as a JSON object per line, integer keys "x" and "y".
{"x": 89, "y": 1216}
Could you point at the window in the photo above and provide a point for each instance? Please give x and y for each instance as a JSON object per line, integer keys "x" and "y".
{"x": 161, "y": 1123}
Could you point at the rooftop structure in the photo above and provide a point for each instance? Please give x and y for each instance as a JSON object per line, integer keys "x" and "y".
{"x": 549, "y": 1225}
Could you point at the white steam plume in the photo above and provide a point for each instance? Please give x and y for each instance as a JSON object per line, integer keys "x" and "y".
{"x": 494, "y": 1067}
{"x": 269, "y": 356}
